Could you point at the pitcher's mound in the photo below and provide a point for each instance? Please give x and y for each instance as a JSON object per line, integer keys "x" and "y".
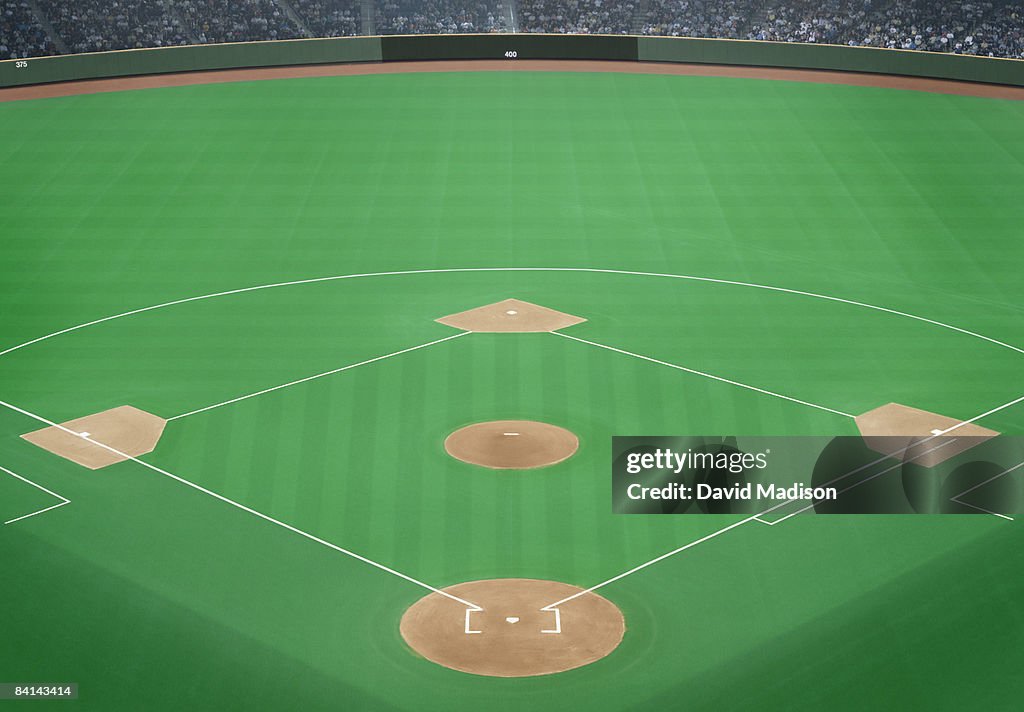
{"x": 510, "y": 641}
{"x": 126, "y": 429}
{"x": 511, "y": 444}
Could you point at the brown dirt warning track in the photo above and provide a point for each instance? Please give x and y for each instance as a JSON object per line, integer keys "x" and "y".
{"x": 96, "y": 86}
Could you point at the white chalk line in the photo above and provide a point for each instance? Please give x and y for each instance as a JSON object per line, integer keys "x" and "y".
{"x": 468, "y": 629}
{"x": 695, "y": 278}
{"x": 456, "y": 270}
{"x": 887, "y": 470}
{"x": 705, "y": 375}
{"x": 982, "y": 509}
{"x": 63, "y": 500}
{"x": 244, "y": 508}
{"x": 558, "y": 622}
{"x": 708, "y": 537}
{"x": 319, "y": 375}
{"x": 914, "y": 444}
{"x": 956, "y": 497}
{"x": 759, "y": 516}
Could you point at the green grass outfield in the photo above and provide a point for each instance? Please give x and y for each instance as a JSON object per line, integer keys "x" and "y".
{"x": 154, "y": 596}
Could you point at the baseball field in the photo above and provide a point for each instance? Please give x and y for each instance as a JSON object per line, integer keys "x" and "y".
{"x": 261, "y": 265}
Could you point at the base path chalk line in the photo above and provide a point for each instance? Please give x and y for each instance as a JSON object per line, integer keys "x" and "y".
{"x": 233, "y": 503}
{"x": 956, "y": 497}
{"x": 757, "y": 517}
{"x": 461, "y": 270}
{"x": 705, "y": 375}
{"x": 63, "y": 500}
{"x": 319, "y": 375}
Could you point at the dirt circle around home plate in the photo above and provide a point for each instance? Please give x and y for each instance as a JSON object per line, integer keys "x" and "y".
{"x": 512, "y": 444}
{"x": 512, "y": 636}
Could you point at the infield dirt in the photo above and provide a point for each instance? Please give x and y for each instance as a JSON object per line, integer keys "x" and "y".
{"x": 510, "y": 641}
{"x": 917, "y": 434}
{"x": 127, "y": 429}
{"x": 512, "y": 444}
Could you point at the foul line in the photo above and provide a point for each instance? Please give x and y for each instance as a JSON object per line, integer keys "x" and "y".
{"x": 757, "y": 516}
{"x": 233, "y": 503}
{"x": 705, "y": 375}
{"x": 319, "y": 375}
{"x": 63, "y": 500}
{"x": 712, "y": 535}
{"x": 897, "y": 466}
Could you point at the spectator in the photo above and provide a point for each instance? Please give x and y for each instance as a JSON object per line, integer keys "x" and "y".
{"x": 237, "y": 20}
{"x": 697, "y": 18}
{"x": 20, "y": 34}
{"x": 406, "y": 17}
{"x": 98, "y": 25}
{"x": 330, "y": 18}
{"x": 992, "y": 28}
{"x": 595, "y": 17}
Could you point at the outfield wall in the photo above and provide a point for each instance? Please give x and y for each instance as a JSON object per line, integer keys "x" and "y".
{"x": 509, "y": 46}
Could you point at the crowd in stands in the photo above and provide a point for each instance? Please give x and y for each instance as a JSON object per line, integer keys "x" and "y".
{"x": 981, "y": 27}
{"x": 594, "y": 17}
{"x": 1001, "y": 34}
{"x": 20, "y": 34}
{"x": 925, "y": 25}
{"x": 984, "y": 27}
{"x": 330, "y": 18}
{"x": 236, "y": 20}
{"x": 98, "y": 25}
{"x": 408, "y": 17}
{"x": 697, "y": 18}
{"x": 830, "y": 21}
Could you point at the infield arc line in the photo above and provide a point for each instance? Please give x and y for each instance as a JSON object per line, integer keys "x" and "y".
{"x": 319, "y": 375}
{"x": 233, "y": 503}
{"x": 456, "y": 270}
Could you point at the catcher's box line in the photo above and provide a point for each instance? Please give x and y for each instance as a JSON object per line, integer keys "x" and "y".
{"x": 63, "y": 500}
{"x": 756, "y": 517}
{"x": 456, "y": 270}
{"x": 244, "y": 508}
{"x": 319, "y": 375}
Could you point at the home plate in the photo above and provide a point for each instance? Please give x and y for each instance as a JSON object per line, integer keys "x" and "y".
{"x": 512, "y": 619}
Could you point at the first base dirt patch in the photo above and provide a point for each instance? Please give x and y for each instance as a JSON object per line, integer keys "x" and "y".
{"x": 511, "y": 316}
{"x": 914, "y": 435}
{"x": 126, "y": 429}
{"x": 509, "y": 638}
{"x": 512, "y": 444}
